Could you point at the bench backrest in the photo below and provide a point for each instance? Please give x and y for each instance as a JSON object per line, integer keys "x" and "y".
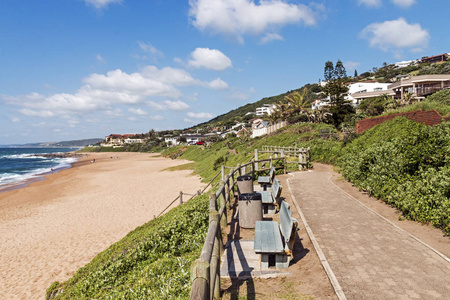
{"x": 276, "y": 189}
{"x": 288, "y": 225}
{"x": 272, "y": 174}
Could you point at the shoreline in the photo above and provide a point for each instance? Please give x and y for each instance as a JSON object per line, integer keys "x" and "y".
{"x": 52, "y": 227}
{"x": 42, "y": 176}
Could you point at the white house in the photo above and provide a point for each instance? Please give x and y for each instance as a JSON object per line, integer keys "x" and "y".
{"x": 364, "y": 87}
{"x": 172, "y": 140}
{"x": 405, "y": 63}
{"x": 266, "y": 109}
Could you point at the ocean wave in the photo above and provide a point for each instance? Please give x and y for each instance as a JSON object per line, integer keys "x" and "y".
{"x": 53, "y": 165}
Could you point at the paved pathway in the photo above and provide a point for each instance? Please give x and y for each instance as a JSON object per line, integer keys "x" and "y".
{"x": 370, "y": 257}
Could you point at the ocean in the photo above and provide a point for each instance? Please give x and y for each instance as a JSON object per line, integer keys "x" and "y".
{"x": 19, "y": 166}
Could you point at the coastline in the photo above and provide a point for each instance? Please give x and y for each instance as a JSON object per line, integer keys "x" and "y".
{"x": 42, "y": 176}
{"x": 51, "y": 228}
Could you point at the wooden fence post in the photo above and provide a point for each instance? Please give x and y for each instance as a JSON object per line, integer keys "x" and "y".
{"x": 181, "y": 197}
{"x": 256, "y": 159}
{"x": 300, "y": 161}
{"x": 215, "y": 259}
{"x": 223, "y": 172}
{"x": 200, "y": 273}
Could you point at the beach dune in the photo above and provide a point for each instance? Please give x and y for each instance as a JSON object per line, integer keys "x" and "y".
{"x": 51, "y": 228}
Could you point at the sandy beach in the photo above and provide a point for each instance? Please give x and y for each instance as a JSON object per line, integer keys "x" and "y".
{"x": 51, "y": 228}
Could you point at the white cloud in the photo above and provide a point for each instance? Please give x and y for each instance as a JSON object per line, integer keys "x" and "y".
{"x": 239, "y": 17}
{"x": 404, "y": 3}
{"x": 14, "y": 119}
{"x": 169, "y": 105}
{"x": 350, "y": 65}
{"x": 150, "y": 49}
{"x": 100, "y": 59}
{"x": 211, "y": 59}
{"x": 201, "y": 115}
{"x": 370, "y": 3}
{"x": 101, "y": 3}
{"x": 137, "y": 111}
{"x": 157, "y": 118}
{"x": 396, "y": 34}
{"x": 271, "y": 37}
{"x": 186, "y": 120}
{"x": 105, "y": 92}
{"x": 218, "y": 84}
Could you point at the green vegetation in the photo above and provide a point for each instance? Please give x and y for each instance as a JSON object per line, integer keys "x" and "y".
{"x": 407, "y": 165}
{"x": 151, "y": 262}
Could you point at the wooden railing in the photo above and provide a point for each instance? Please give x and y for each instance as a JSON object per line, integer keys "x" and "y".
{"x": 205, "y": 271}
{"x": 304, "y": 154}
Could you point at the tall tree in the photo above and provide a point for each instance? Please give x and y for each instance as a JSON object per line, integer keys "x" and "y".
{"x": 336, "y": 90}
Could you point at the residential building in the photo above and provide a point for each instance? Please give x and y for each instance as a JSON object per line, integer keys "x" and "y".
{"x": 364, "y": 87}
{"x": 436, "y": 58}
{"x": 319, "y": 103}
{"x": 417, "y": 86}
{"x": 116, "y": 140}
{"x": 405, "y": 63}
{"x": 191, "y": 139}
{"x": 172, "y": 140}
{"x": 266, "y": 109}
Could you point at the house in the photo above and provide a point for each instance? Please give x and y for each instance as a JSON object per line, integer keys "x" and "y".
{"x": 405, "y": 63}
{"x": 172, "y": 140}
{"x": 117, "y": 140}
{"x": 259, "y": 124}
{"x": 436, "y": 58}
{"x": 191, "y": 139}
{"x": 417, "y": 86}
{"x": 364, "y": 87}
{"x": 319, "y": 103}
{"x": 266, "y": 109}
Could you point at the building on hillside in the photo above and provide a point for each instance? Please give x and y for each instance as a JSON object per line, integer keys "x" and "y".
{"x": 436, "y": 58}
{"x": 192, "y": 139}
{"x": 320, "y": 103}
{"x": 172, "y": 140}
{"x": 364, "y": 87}
{"x": 117, "y": 140}
{"x": 405, "y": 63}
{"x": 266, "y": 109}
{"x": 418, "y": 86}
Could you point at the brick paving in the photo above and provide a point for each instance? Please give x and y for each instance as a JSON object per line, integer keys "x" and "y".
{"x": 370, "y": 257}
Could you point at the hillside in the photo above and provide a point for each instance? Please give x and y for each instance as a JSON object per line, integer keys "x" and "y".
{"x": 65, "y": 144}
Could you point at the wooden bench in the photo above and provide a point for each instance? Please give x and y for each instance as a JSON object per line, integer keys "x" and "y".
{"x": 265, "y": 181}
{"x": 271, "y": 198}
{"x": 275, "y": 242}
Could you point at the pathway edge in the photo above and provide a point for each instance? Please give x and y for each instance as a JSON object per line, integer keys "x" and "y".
{"x": 323, "y": 260}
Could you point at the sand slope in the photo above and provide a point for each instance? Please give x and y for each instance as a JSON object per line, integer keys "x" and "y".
{"x": 53, "y": 227}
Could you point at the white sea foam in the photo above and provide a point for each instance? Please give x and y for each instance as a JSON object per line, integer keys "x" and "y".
{"x": 12, "y": 179}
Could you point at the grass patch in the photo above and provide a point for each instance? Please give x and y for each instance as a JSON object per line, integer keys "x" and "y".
{"x": 188, "y": 166}
{"x": 151, "y": 262}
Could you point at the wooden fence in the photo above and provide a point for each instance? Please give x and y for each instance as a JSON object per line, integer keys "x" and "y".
{"x": 304, "y": 154}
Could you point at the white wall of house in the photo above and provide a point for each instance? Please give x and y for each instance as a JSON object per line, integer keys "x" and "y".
{"x": 266, "y": 109}
{"x": 364, "y": 87}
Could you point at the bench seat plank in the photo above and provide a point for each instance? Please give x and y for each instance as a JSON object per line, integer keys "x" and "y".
{"x": 263, "y": 180}
{"x": 268, "y": 237}
{"x": 267, "y": 197}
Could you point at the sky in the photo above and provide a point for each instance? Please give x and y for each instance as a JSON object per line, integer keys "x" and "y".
{"x": 75, "y": 69}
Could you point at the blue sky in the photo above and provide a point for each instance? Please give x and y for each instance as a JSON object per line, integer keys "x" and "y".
{"x": 73, "y": 69}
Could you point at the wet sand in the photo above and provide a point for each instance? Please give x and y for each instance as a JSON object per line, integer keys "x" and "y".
{"x": 53, "y": 227}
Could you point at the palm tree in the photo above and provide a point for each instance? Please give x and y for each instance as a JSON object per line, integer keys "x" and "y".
{"x": 298, "y": 104}
{"x": 274, "y": 117}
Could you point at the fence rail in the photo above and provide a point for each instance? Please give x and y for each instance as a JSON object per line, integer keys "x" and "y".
{"x": 304, "y": 154}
